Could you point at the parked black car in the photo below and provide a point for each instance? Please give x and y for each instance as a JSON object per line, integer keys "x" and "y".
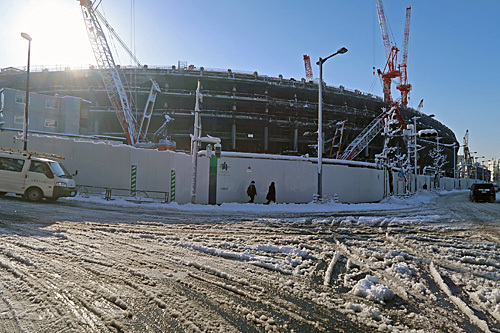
{"x": 482, "y": 192}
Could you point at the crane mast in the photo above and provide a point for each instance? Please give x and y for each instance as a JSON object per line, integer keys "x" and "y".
{"x": 391, "y": 52}
{"x": 388, "y": 74}
{"x": 307, "y": 64}
{"x": 468, "y": 158}
{"x": 404, "y": 86}
{"x": 109, "y": 72}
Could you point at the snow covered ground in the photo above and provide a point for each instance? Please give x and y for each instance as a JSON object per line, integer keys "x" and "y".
{"x": 428, "y": 263}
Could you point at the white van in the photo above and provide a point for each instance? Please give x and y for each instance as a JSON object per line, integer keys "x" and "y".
{"x": 34, "y": 176}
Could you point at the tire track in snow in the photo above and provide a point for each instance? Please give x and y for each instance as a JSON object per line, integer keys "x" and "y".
{"x": 143, "y": 290}
{"x": 458, "y": 302}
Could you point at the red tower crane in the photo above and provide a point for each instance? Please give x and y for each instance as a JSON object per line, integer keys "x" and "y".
{"x": 391, "y": 71}
{"x": 404, "y": 86}
{"x": 391, "y": 52}
{"x": 309, "y": 71}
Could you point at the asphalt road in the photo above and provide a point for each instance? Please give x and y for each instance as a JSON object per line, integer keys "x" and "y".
{"x": 74, "y": 266}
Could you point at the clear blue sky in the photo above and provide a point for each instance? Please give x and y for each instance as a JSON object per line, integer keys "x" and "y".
{"x": 453, "y": 61}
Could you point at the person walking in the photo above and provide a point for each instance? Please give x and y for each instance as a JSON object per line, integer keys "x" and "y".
{"x": 251, "y": 191}
{"x": 271, "y": 194}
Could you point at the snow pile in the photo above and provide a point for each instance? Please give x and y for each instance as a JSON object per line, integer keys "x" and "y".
{"x": 312, "y": 207}
{"x": 401, "y": 269}
{"x": 329, "y": 271}
{"x": 348, "y": 221}
{"x": 371, "y": 220}
{"x": 419, "y": 219}
{"x": 282, "y": 249}
{"x": 370, "y": 288}
{"x": 391, "y": 222}
{"x": 490, "y": 299}
{"x": 419, "y": 198}
{"x": 389, "y": 203}
{"x": 292, "y": 263}
{"x": 365, "y": 310}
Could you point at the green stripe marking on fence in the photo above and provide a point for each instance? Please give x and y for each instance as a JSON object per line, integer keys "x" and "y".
{"x": 133, "y": 180}
{"x": 172, "y": 185}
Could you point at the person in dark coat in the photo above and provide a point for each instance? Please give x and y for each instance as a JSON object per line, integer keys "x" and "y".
{"x": 271, "y": 194}
{"x": 251, "y": 191}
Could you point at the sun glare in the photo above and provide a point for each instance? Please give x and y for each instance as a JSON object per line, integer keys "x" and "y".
{"x": 58, "y": 33}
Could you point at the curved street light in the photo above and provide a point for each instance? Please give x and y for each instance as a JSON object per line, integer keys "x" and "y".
{"x": 320, "y": 62}
{"x": 25, "y": 124}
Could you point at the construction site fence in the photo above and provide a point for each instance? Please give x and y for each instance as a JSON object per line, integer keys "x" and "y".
{"x": 111, "y": 193}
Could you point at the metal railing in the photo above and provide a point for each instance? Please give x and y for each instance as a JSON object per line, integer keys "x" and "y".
{"x": 132, "y": 195}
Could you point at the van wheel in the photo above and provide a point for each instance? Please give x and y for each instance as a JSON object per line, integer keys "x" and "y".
{"x": 33, "y": 194}
{"x": 2, "y": 194}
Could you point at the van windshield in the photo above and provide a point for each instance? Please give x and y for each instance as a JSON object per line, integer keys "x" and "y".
{"x": 60, "y": 170}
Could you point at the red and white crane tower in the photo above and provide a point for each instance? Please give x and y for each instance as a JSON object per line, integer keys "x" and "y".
{"x": 391, "y": 71}
{"x": 309, "y": 71}
{"x": 404, "y": 86}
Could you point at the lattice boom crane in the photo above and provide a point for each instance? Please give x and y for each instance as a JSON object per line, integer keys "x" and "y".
{"x": 109, "y": 72}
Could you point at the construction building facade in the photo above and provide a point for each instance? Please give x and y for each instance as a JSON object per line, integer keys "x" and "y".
{"x": 249, "y": 112}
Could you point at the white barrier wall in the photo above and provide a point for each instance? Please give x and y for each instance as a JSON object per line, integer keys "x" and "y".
{"x": 296, "y": 179}
{"x": 432, "y": 183}
{"x": 110, "y": 165}
{"x": 292, "y": 184}
{"x": 353, "y": 183}
{"x": 465, "y": 183}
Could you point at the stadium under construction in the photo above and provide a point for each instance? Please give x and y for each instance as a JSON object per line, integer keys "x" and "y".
{"x": 248, "y": 111}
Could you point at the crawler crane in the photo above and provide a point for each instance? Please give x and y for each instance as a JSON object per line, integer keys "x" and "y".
{"x": 116, "y": 92}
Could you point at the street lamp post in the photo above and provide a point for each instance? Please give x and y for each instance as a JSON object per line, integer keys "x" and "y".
{"x": 476, "y": 164}
{"x": 415, "y": 149}
{"x": 454, "y": 165}
{"x": 320, "y": 62}
{"x": 472, "y": 164}
{"x": 25, "y": 124}
{"x": 475, "y": 168}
